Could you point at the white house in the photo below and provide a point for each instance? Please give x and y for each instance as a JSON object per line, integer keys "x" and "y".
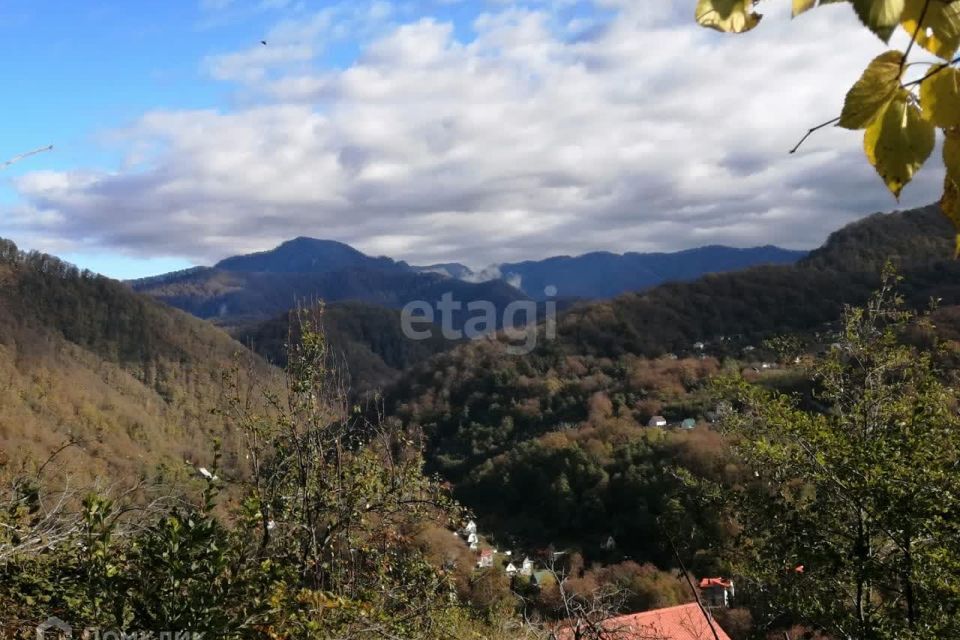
{"x": 526, "y": 569}
{"x": 657, "y": 421}
{"x": 511, "y": 569}
{"x": 471, "y": 527}
{"x": 473, "y": 540}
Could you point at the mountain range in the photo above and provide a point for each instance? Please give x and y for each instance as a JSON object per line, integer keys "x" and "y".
{"x": 603, "y": 274}
{"x": 250, "y": 288}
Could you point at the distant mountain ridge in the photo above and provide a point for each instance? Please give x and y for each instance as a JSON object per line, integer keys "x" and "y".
{"x": 603, "y": 274}
{"x": 256, "y": 287}
{"x": 606, "y": 275}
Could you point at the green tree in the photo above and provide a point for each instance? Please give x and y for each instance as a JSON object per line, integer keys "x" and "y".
{"x": 336, "y": 499}
{"x": 849, "y": 520}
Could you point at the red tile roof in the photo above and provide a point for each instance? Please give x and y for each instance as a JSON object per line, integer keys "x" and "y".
{"x": 683, "y": 622}
{"x": 714, "y": 582}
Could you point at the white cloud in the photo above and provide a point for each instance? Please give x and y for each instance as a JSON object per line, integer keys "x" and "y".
{"x": 646, "y": 133}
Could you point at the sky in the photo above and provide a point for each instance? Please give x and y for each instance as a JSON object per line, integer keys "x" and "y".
{"x": 476, "y": 131}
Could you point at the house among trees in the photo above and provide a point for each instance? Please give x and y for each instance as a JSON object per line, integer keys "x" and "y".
{"x": 609, "y": 544}
{"x": 657, "y": 421}
{"x": 511, "y": 569}
{"x": 717, "y": 592}
{"x": 485, "y": 559}
{"x": 688, "y": 423}
{"x": 473, "y": 540}
{"x": 470, "y": 527}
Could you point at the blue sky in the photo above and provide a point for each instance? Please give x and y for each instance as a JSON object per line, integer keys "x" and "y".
{"x": 430, "y": 131}
{"x": 81, "y": 69}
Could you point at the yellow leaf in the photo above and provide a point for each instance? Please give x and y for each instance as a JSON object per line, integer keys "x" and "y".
{"x": 801, "y": 6}
{"x": 940, "y": 32}
{"x": 940, "y": 97}
{"x": 871, "y": 94}
{"x": 898, "y": 142}
{"x": 880, "y": 16}
{"x": 732, "y": 16}
{"x": 951, "y": 153}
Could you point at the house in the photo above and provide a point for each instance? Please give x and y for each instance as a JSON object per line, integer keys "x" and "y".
{"x": 717, "y": 592}
{"x": 485, "y": 559}
{"x": 609, "y": 544}
{"x": 526, "y": 569}
{"x": 688, "y": 423}
{"x": 511, "y": 569}
{"x": 657, "y": 421}
{"x": 470, "y": 527}
{"x": 683, "y": 622}
{"x": 473, "y": 540}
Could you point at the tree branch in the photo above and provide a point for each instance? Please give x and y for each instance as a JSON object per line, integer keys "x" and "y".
{"x": 813, "y": 130}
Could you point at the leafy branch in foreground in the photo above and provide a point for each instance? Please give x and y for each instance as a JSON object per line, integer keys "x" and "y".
{"x": 899, "y": 117}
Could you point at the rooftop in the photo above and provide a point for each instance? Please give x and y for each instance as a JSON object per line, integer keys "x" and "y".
{"x": 682, "y": 622}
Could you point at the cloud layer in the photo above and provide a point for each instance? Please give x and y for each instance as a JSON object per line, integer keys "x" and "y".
{"x": 543, "y": 133}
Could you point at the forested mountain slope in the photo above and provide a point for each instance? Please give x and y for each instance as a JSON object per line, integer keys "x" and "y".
{"x": 83, "y": 358}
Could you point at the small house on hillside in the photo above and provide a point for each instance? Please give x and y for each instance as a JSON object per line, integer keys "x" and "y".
{"x": 470, "y": 527}
{"x": 657, "y": 421}
{"x": 485, "y": 559}
{"x": 717, "y": 592}
{"x": 473, "y": 540}
{"x": 688, "y": 423}
{"x": 526, "y": 569}
{"x": 609, "y": 544}
{"x": 511, "y": 569}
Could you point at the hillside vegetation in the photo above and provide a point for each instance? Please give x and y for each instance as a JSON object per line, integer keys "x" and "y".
{"x": 84, "y": 359}
{"x": 367, "y": 340}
